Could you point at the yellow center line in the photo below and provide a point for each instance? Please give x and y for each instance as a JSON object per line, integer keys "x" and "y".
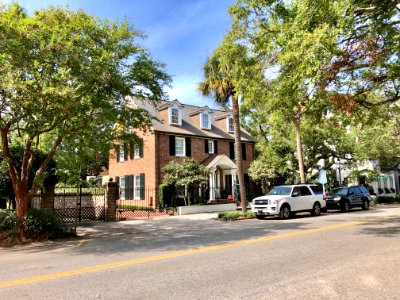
{"x": 80, "y": 243}
{"x": 183, "y": 253}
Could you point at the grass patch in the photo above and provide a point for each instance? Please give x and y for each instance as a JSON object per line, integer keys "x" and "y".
{"x": 236, "y": 215}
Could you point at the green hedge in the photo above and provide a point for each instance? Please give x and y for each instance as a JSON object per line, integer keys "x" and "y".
{"x": 388, "y": 199}
{"x": 234, "y": 215}
{"x": 39, "y": 223}
{"x": 134, "y": 207}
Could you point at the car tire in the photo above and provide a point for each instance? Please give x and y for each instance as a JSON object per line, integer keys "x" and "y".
{"x": 365, "y": 205}
{"x": 260, "y": 217}
{"x": 346, "y": 206}
{"x": 316, "y": 211}
{"x": 284, "y": 213}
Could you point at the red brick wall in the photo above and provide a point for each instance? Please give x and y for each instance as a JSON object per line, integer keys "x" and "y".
{"x": 156, "y": 155}
{"x": 198, "y": 152}
{"x": 146, "y": 164}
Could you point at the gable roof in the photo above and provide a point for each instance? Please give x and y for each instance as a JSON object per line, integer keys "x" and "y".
{"x": 188, "y": 128}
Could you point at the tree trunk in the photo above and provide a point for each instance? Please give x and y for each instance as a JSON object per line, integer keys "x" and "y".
{"x": 238, "y": 151}
{"x": 297, "y": 126}
{"x": 23, "y": 200}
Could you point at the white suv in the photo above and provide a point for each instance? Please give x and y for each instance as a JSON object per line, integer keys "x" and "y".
{"x": 287, "y": 199}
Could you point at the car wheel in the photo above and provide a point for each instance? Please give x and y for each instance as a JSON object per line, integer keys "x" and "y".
{"x": 284, "y": 213}
{"x": 365, "y": 205}
{"x": 346, "y": 206}
{"x": 260, "y": 217}
{"x": 316, "y": 211}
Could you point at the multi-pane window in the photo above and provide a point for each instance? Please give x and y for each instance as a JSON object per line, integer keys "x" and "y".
{"x": 230, "y": 124}
{"x": 137, "y": 187}
{"x": 179, "y": 146}
{"x": 136, "y": 152}
{"x": 121, "y": 153}
{"x": 211, "y": 147}
{"x": 174, "y": 116}
{"x": 122, "y": 188}
{"x": 205, "y": 121}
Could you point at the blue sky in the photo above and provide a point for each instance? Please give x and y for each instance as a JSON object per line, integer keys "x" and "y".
{"x": 180, "y": 33}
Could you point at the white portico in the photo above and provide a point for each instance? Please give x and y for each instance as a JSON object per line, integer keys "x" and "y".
{"x": 222, "y": 177}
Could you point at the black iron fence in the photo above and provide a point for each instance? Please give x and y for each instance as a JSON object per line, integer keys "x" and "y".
{"x": 75, "y": 204}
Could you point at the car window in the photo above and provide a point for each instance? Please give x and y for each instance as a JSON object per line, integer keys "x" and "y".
{"x": 339, "y": 191}
{"x": 305, "y": 191}
{"x": 317, "y": 189}
{"x": 280, "y": 190}
{"x": 296, "y": 190}
{"x": 363, "y": 189}
{"x": 354, "y": 191}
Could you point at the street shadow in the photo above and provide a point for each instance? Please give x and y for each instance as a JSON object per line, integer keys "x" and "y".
{"x": 167, "y": 235}
{"x": 387, "y": 228}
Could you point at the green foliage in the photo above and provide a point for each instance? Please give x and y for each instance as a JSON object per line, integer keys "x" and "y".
{"x": 162, "y": 189}
{"x": 134, "y": 207}
{"x": 8, "y": 221}
{"x": 388, "y": 199}
{"x": 39, "y": 223}
{"x": 370, "y": 175}
{"x": 235, "y": 215}
{"x": 66, "y": 76}
{"x": 46, "y": 223}
{"x": 185, "y": 172}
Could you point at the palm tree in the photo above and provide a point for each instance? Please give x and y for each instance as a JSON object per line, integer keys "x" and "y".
{"x": 218, "y": 84}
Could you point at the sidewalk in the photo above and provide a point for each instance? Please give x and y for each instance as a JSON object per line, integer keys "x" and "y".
{"x": 99, "y": 229}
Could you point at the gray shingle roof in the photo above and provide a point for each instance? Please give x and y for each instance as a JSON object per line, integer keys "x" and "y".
{"x": 188, "y": 128}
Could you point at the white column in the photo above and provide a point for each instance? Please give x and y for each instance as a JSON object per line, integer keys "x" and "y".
{"x": 233, "y": 173}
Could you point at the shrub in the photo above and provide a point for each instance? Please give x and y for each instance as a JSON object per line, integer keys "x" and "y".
{"x": 39, "y": 223}
{"x": 8, "y": 221}
{"x": 46, "y": 223}
{"x": 134, "y": 207}
{"x": 235, "y": 215}
{"x": 388, "y": 199}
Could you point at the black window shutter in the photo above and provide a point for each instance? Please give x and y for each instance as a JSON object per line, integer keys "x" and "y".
{"x": 117, "y": 150}
{"x": 126, "y": 151}
{"x": 131, "y": 150}
{"x": 142, "y": 185}
{"x": 243, "y": 151}
{"x": 131, "y": 187}
{"x": 141, "y": 148}
{"x": 231, "y": 150}
{"x": 172, "y": 145}
{"x": 216, "y": 147}
{"x": 205, "y": 146}
{"x": 188, "y": 146}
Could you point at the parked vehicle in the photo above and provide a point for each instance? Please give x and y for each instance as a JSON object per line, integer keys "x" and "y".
{"x": 286, "y": 200}
{"x": 345, "y": 198}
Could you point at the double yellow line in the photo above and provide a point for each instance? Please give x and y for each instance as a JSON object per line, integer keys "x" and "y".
{"x": 183, "y": 253}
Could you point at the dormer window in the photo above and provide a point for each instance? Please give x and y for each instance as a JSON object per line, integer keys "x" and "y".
{"x": 175, "y": 116}
{"x": 205, "y": 121}
{"x": 229, "y": 121}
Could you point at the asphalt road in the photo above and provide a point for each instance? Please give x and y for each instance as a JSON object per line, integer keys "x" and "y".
{"x": 334, "y": 256}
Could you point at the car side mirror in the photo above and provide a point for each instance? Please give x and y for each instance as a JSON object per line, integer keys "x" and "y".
{"x": 295, "y": 194}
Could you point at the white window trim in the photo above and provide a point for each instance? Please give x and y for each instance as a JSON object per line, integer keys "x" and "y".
{"x": 179, "y": 116}
{"x": 121, "y": 153}
{"x": 177, "y": 138}
{"x": 202, "y": 125}
{"x": 211, "y": 150}
{"x": 136, "y": 188}
{"x": 227, "y": 124}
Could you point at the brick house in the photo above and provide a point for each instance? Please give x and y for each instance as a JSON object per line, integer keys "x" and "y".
{"x": 201, "y": 133}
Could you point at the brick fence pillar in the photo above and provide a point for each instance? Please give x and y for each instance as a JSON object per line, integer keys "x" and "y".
{"x": 47, "y": 200}
{"x": 112, "y": 195}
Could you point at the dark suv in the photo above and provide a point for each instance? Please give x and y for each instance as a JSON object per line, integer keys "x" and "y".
{"x": 345, "y": 198}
